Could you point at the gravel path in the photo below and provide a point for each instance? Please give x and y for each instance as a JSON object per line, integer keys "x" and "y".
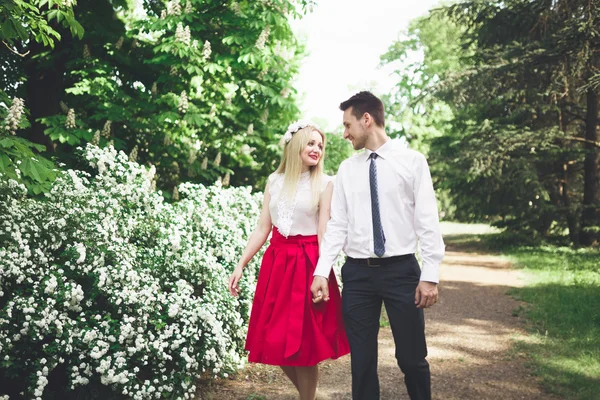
{"x": 470, "y": 339}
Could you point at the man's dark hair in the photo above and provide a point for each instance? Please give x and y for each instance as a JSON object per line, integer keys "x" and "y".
{"x": 365, "y": 102}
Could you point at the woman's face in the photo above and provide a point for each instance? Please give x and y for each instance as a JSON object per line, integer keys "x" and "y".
{"x": 313, "y": 151}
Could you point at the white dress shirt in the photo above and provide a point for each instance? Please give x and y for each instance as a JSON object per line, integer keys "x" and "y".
{"x": 407, "y": 206}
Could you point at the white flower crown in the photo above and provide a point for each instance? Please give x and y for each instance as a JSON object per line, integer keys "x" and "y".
{"x": 295, "y": 127}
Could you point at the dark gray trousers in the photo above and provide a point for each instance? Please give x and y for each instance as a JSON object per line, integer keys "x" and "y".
{"x": 365, "y": 288}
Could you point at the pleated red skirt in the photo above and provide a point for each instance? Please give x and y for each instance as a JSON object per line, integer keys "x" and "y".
{"x": 286, "y": 328}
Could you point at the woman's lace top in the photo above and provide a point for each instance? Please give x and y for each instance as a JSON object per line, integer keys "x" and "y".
{"x": 295, "y": 216}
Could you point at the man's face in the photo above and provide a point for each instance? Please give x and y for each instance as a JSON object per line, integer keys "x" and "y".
{"x": 354, "y": 130}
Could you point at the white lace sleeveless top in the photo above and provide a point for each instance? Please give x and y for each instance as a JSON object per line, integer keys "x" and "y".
{"x": 295, "y": 216}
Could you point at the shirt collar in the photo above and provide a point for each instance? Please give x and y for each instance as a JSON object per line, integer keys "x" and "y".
{"x": 382, "y": 152}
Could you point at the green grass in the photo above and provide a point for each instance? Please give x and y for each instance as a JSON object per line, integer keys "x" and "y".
{"x": 562, "y": 296}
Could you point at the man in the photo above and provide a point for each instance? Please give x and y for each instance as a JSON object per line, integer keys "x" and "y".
{"x": 383, "y": 202}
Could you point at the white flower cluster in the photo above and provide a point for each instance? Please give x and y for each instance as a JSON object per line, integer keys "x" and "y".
{"x": 96, "y": 138}
{"x": 183, "y": 102}
{"x": 106, "y": 129}
{"x": 262, "y": 38}
{"x": 237, "y": 9}
{"x": 134, "y": 154}
{"x": 14, "y": 115}
{"x": 206, "y": 50}
{"x": 70, "y": 122}
{"x": 173, "y": 8}
{"x": 182, "y": 34}
{"x": 104, "y": 283}
{"x": 295, "y": 127}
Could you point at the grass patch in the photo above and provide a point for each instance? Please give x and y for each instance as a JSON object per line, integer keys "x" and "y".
{"x": 563, "y": 293}
{"x": 562, "y": 310}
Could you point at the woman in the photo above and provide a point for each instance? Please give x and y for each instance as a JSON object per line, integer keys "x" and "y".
{"x": 286, "y": 328}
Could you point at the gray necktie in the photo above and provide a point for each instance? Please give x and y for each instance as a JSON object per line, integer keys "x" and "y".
{"x": 378, "y": 235}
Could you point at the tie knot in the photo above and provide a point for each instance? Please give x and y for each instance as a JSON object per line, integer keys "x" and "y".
{"x": 373, "y": 156}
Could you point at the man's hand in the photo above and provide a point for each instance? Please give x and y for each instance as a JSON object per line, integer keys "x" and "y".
{"x": 319, "y": 289}
{"x": 426, "y": 294}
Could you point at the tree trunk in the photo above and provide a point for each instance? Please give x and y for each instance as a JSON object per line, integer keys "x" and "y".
{"x": 590, "y": 215}
{"x": 572, "y": 222}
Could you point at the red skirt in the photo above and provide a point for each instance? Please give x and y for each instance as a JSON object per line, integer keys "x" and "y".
{"x": 286, "y": 328}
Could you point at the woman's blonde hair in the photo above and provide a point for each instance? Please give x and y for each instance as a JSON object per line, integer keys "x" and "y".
{"x": 291, "y": 164}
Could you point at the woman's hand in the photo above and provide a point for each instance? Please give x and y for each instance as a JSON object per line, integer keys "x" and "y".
{"x": 233, "y": 281}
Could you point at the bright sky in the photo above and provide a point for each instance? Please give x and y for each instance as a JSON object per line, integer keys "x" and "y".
{"x": 345, "y": 39}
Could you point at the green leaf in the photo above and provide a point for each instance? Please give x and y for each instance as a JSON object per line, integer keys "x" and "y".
{"x": 7, "y": 142}
{"x": 7, "y": 29}
{"x": 5, "y": 162}
{"x": 20, "y": 30}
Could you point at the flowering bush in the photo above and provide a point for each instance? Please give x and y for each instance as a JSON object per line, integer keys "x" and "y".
{"x": 106, "y": 288}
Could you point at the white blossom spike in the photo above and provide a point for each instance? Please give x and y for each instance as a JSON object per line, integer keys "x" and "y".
{"x": 218, "y": 159}
{"x": 86, "y": 52}
{"x": 206, "y": 50}
{"x": 70, "y": 122}
{"x": 262, "y": 38}
{"x": 192, "y": 156}
{"x": 14, "y": 115}
{"x": 106, "y": 129}
{"x": 63, "y": 107}
{"x": 174, "y": 8}
{"x": 182, "y": 34}
{"x": 134, "y": 154}
{"x": 183, "y": 102}
{"x": 96, "y": 139}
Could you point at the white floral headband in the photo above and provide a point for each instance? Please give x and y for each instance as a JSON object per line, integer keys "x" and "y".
{"x": 295, "y": 127}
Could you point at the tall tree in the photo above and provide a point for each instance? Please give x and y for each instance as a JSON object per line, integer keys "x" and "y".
{"x": 25, "y": 25}
{"x": 522, "y": 146}
{"x": 199, "y": 88}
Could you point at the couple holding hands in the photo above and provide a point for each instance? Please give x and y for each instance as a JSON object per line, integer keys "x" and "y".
{"x": 380, "y": 205}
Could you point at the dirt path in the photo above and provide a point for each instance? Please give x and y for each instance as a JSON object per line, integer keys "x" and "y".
{"x": 470, "y": 335}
